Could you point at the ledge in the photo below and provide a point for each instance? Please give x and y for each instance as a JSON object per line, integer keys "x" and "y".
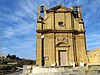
{"x": 59, "y": 31}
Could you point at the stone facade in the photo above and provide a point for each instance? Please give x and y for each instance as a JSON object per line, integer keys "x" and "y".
{"x": 94, "y": 56}
{"x": 60, "y": 36}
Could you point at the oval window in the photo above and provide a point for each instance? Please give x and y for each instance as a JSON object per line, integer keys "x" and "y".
{"x": 61, "y": 24}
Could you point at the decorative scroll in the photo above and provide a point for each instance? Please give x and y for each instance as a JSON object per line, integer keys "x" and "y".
{"x": 62, "y": 39}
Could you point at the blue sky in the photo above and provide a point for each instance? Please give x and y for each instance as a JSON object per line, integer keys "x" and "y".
{"x": 18, "y": 24}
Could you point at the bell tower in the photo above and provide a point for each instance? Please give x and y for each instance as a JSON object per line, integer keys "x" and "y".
{"x": 60, "y": 36}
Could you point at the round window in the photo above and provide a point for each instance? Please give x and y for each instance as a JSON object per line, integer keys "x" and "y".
{"x": 61, "y": 24}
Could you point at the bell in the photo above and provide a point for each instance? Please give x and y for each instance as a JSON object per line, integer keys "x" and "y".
{"x": 42, "y": 9}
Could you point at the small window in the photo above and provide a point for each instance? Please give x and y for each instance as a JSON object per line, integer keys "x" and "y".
{"x": 61, "y": 24}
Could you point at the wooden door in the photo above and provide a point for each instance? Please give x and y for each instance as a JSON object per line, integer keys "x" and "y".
{"x": 63, "y": 58}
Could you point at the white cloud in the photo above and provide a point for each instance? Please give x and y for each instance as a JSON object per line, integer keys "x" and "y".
{"x": 93, "y": 40}
{"x": 9, "y": 32}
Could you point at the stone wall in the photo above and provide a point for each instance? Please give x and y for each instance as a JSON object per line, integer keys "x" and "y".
{"x": 36, "y": 70}
{"x": 94, "y": 56}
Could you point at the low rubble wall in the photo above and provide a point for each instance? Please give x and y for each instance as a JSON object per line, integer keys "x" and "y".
{"x": 94, "y": 56}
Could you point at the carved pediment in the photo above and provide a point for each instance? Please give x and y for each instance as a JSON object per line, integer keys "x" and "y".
{"x": 61, "y": 41}
{"x": 60, "y": 8}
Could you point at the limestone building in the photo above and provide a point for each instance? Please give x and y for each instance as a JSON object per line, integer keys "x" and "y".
{"x": 60, "y": 36}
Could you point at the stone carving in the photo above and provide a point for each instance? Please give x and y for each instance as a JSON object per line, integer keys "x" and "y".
{"x": 62, "y": 39}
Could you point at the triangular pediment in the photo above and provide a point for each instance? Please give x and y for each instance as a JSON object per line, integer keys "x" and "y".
{"x": 60, "y": 8}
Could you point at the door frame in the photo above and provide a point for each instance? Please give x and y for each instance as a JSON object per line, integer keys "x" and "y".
{"x": 57, "y": 54}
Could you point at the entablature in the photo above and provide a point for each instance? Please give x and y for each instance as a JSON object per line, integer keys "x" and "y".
{"x": 60, "y": 31}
